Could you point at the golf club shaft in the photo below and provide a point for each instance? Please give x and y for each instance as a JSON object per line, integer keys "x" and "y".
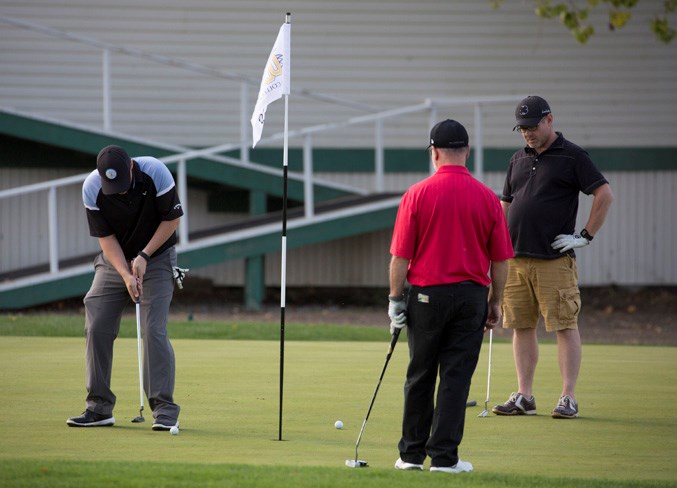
{"x": 491, "y": 340}
{"x": 391, "y": 348}
{"x": 139, "y": 354}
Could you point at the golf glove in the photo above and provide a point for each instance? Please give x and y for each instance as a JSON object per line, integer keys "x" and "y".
{"x": 179, "y": 275}
{"x": 567, "y": 242}
{"x": 397, "y": 311}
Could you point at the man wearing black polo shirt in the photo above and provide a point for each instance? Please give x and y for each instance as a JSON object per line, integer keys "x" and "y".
{"x": 540, "y": 199}
{"x": 450, "y": 242}
{"x": 133, "y": 209}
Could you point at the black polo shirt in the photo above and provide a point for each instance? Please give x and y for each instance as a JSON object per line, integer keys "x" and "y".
{"x": 134, "y": 216}
{"x": 543, "y": 190}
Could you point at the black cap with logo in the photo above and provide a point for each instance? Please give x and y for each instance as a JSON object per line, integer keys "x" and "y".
{"x": 530, "y": 111}
{"x": 448, "y": 133}
{"x": 113, "y": 164}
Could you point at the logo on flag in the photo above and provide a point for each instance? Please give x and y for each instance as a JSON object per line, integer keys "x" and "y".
{"x": 274, "y": 82}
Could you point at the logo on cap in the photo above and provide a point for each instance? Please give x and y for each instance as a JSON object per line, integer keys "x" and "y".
{"x": 111, "y": 174}
{"x": 524, "y": 110}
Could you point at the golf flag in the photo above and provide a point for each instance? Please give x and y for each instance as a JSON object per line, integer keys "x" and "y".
{"x": 275, "y": 81}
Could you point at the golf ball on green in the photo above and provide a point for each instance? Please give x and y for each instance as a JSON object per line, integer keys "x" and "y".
{"x": 174, "y": 430}
{"x": 338, "y": 424}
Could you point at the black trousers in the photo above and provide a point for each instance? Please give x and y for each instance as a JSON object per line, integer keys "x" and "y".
{"x": 445, "y": 330}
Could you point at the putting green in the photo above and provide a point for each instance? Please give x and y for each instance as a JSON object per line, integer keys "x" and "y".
{"x": 228, "y": 391}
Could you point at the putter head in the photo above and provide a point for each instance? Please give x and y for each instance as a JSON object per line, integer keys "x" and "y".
{"x": 483, "y": 413}
{"x": 138, "y": 420}
{"x": 356, "y": 463}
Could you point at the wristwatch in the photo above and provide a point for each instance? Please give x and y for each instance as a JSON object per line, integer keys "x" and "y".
{"x": 586, "y": 235}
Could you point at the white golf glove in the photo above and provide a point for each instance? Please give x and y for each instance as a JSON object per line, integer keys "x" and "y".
{"x": 566, "y": 242}
{"x": 179, "y": 276}
{"x": 397, "y": 311}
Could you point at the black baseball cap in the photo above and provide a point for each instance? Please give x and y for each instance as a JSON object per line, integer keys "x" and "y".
{"x": 530, "y": 111}
{"x": 448, "y": 133}
{"x": 113, "y": 164}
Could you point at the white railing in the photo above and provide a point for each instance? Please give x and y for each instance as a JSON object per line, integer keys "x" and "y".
{"x": 432, "y": 106}
{"x": 305, "y": 136}
{"x": 245, "y": 82}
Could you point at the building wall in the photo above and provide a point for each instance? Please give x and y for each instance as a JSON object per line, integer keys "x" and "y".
{"x": 616, "y": 91}
{"x": 635, "y": 246}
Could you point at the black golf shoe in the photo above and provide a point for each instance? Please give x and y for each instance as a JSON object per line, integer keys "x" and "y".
{"x": 91, "y": 419}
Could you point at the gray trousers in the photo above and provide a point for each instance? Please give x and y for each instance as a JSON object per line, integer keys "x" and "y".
{"x": 104, "y": 304}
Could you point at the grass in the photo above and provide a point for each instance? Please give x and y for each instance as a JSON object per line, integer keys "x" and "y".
{"x": 228, "y": 391}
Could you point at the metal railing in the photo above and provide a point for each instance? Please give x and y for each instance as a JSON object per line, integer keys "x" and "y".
{"x": 432, "y": 106}
{"x": 245, "y": 82}
{"x": 305, "y": 135}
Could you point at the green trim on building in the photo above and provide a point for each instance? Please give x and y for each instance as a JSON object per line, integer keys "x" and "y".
{"x": 244, "y": 248}
{"x": 406, "y": 160}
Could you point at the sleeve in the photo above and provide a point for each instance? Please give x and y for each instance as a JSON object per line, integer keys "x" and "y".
{"x": 587, "y": 174}
{"x": 500, "y": 244}
{"x": 167, "y": 200}
{"x": 91, "y": 189}
{"x": 403, "y": 243}
{"x": 168, "y": 205}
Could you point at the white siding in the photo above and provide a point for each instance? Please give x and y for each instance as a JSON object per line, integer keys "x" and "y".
{"x": 635, "y": 246}
{"x": 616, "y": 91}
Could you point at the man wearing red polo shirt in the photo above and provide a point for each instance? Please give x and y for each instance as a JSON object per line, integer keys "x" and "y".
{"x": 451, "y": 243}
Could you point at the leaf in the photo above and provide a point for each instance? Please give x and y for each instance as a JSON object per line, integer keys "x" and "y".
{"x": 618, "y": 18}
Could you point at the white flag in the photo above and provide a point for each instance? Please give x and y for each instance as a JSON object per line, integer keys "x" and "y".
{"x": 275, "y": 82}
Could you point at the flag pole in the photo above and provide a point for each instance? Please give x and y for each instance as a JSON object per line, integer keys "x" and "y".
{"x": 283, "y": 271}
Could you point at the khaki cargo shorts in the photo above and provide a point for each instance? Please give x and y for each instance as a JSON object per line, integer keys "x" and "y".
{"x": 547, "y": 287}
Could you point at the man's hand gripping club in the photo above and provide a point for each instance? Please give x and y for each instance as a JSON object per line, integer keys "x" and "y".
{"x": 397, "y": 311}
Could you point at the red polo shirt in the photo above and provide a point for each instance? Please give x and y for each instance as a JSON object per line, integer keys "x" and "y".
{"x": 450, "y": 226}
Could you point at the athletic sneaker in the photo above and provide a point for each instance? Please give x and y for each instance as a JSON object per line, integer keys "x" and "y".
{"x": 459, "y": 467}
{"x": 566, "y": 408}
{"x": 399, "y": 464}
{"x": 164, "y": 423}
{"x": 517, "y": 404}
{"x": 91, "y": 419}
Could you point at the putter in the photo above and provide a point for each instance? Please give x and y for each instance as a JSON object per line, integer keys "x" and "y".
{"x": 359, "y": 463}
{"x": 485, "y": 412}
{"x": 140, "y": 418}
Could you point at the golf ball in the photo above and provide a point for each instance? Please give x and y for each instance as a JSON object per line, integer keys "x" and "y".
{"x": 338, "y": 424}
{"x": 174, "y": 430}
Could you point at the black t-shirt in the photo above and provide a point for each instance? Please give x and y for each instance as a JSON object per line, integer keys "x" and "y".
{"x": 134, "y": 216}
{"x": 543, "y": 194}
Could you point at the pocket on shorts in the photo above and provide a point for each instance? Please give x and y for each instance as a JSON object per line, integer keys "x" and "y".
{"x": 569, "y": 304}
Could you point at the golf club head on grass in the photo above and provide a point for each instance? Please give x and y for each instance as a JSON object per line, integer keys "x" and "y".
{"x": 484, "y": 412}
{"x": 356, "y": 463}
{"x": 139, "y": 419}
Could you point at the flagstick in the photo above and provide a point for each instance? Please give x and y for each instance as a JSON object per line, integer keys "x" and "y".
{"x": 283, "y": 277}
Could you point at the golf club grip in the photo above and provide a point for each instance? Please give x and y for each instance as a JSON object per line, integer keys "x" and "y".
{"x": 393, "y": 341}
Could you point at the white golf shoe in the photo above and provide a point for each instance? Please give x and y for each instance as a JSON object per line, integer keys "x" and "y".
{"x": 460, "y": 467}
{"x": 399, "y": 464}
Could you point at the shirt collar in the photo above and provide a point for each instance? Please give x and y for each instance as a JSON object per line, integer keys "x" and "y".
{"x": 452, "y": 168}
{"x": 556, "y": 144}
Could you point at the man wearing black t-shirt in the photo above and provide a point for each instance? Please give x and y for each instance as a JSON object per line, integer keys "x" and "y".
{"x": 540, "y": 200}
{"x": 133, "y": 209}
